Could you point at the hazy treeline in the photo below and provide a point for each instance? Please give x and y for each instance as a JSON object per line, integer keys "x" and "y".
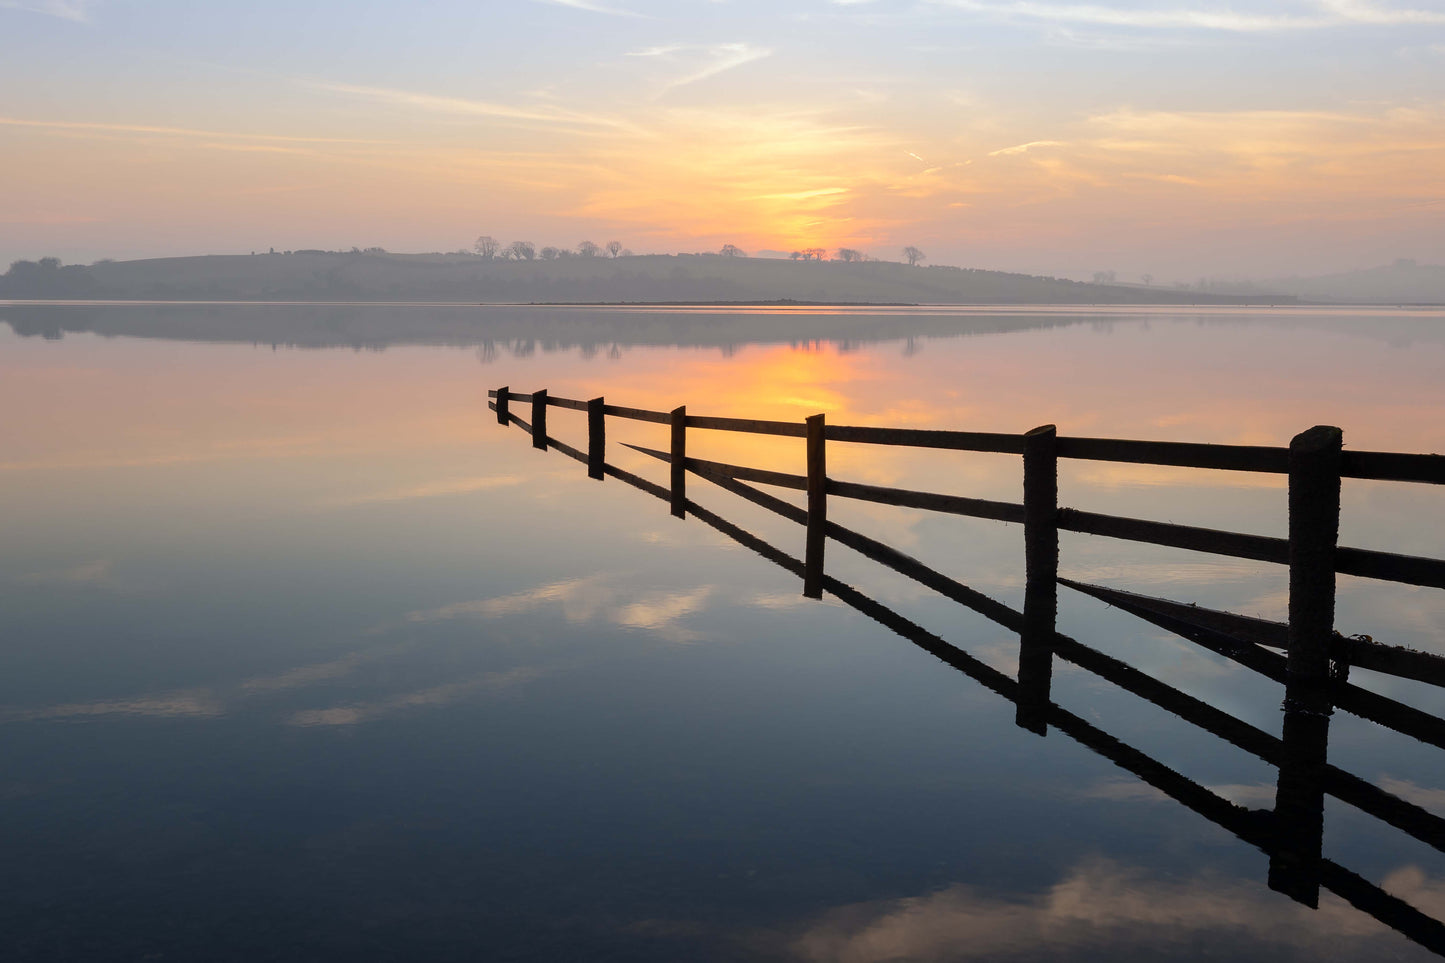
{"x": 376, "y": 276}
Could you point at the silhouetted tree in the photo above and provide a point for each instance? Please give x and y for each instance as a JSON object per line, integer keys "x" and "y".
{"x": 913, "y": 255}
{"x": 614, "y": 248}
{"x": 1148, "y": 279}
{"x": 732, "y": 250}
{"x": 793, "y": 256}
{"x": 814, "y": 253}
{"x": 522, "y": 250}
{"x": 487, "y": 246}
{"x": 588, "y": 249}
{"x": 550, "y": 253}
{"x": 1104, "y": 277}
{"x": 849, "y": 254}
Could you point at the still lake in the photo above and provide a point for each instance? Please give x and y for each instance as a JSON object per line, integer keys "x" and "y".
{"x": 304, "y": 657}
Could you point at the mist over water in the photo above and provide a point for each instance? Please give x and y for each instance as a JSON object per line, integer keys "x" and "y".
{"x": 302, "y": 656}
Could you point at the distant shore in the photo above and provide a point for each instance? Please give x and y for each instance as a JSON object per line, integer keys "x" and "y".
{"x": 657, "y": 279}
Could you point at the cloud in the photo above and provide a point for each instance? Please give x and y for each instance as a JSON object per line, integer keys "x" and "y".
{"x": 1431, "y": 799}
{"x": 178, "y": 131}
{"x": 464, "y": 107}
{"x": 73, "y": 10}
{"x": 1103, "y": 903}
{"x": 1332, "y": 13}
{"x": 1025, "y": 148}
{"x": 86, "y": 573}
{"x": 435, "y": 489}
{"x": 591, "y": 7}
{"x": 440, "y": 695}
{"x": 585, "y": 600}
{"x": 197, "y": 703}
{"x": 701, "y": 61}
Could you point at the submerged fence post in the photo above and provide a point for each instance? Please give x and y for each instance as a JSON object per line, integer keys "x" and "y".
{"x": 817, "y": 509}
{"x": 504, "y": 401}
{"x": 1041, "y": 568}
{"x": 1314, "y": 529}
{"x": 596, "y": 438}
{"x": 679, "y": 461}
{"x": 539, "y": 419}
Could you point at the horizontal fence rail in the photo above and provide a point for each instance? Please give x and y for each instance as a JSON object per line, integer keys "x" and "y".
{"x": 1377, "y": 465}
{"x": 1315, "y": 463}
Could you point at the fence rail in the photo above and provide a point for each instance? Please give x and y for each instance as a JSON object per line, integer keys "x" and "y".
{"x": 1315, "y": 463}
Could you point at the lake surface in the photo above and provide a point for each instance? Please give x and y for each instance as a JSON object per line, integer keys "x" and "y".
{"x": 304, "y": 657}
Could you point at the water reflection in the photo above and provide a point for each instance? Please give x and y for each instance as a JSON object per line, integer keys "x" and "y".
{"x": 1291, "y": 833}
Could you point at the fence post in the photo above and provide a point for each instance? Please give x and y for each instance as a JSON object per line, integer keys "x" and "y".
{"x": 596, "y": 438}
{"x": 504, "y": 402}
{"x": 817, "y": 509}
{"x": 679, "y": 461}
{"x": 539, "y": 419}
{"x": 1041, "y": 572}
{"x": 1314, "y": 529}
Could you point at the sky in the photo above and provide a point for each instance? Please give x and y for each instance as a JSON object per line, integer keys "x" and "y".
{"x": 1175, "y": 139}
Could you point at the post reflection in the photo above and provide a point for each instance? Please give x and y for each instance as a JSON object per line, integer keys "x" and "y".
{"x": 1290, "y": 835}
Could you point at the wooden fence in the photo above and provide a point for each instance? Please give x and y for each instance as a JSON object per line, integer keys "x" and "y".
{"x": 1291, "y": 834}
{"x": 1315, "y": 463}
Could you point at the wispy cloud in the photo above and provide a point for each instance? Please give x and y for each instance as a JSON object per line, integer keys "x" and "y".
{"x": 464, "y": 107}
{"x": 74, "y": 10}
{"x": 1025, "y": 148}
{"x": 72, "y": 125}
{"x": 1221, "y": 18}
{"x": 1139, "y": 915}
{"x": 585, "y": 600}
{"x": 432, "y": 697}
{"x": 433, "y": 489}
{"x": 591, "y": 7}
{"x": 701, "y": 61}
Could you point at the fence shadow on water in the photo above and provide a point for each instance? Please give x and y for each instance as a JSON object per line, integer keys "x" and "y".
{"x": 1314, "y": 668}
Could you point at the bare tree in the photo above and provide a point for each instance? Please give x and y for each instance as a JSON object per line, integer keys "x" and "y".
{"x": 732, "y": 250}
{"x": 614, "y": 248}
{"x": 522, "y": 250}
{"x": 795, "y": 255}
{"x": 815, "y": 253}
{"x": 913, "y": 255}
{"x": 588, "y": 249}
{"x": 849, "y": 255}
{"x": 1104, "y": 277}
{"x": 549, "y": 253}
{"x": 487, "y": 246}
{"x": 1148, "y": 279}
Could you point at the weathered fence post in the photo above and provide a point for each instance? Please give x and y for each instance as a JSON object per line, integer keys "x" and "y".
{"x": 539, "y": 419}
{"x": 679, "y": 461}
{"x": 1041, "y": 572}
{"x": 817, "y": 509}
{"x": 504, "y": 402}
{"x": 596, "y": 438}
{"x": 1314, "y": 529}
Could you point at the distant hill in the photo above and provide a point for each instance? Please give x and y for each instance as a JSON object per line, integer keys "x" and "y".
{"x": 1403, "y": 282}
{"x": 459, "y": 278}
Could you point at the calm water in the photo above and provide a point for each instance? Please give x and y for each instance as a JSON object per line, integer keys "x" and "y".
{"x": 302, "y": 656}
